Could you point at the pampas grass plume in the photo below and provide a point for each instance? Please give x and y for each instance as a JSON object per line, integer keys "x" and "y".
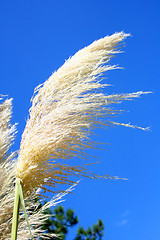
{"x": 64, "y": 111}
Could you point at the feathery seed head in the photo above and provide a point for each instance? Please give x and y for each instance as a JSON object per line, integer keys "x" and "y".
{"x": 7, "y": 164}
{"x": 64, "y": 111}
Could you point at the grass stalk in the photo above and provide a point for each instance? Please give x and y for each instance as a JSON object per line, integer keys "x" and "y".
{"x": 15, "y": 212}
{"x": 17, "y": 201}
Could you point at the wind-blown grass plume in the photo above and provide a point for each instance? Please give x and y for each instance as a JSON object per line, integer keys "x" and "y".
{"x": 7, "y": 186}
{"x": 6, "y": 198}
{"x": 64, "y": 111}
{"x": 7, "y": 133}
{"x": 7, "y": 164}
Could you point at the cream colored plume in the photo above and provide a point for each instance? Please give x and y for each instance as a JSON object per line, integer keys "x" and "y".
{"x": 7, "y": 164}
{"x": 7, "y": 186}
{"x": 64, "y": 111}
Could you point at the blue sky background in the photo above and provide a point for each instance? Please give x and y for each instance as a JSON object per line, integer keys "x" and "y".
{"x": 35, "y": 38}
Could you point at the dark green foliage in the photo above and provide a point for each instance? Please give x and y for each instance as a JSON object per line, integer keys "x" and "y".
{"x": 61, "y": 220}
{"x": 94, "y": 233}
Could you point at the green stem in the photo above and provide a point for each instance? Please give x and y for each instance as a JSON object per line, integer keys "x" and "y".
{"x": 15, "y": 213}
{"x": 19, "y": 186}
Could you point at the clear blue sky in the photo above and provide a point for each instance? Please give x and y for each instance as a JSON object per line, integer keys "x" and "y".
{"x": 35, "y": 38}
